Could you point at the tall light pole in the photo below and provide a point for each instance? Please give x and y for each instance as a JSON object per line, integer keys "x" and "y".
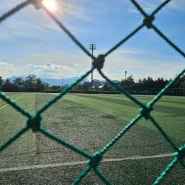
{"x": 92, "y": 47}
{"x": 125, "y": 75}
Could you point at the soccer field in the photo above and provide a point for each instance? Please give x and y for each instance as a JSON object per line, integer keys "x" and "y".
{"x": 90, "y": 122}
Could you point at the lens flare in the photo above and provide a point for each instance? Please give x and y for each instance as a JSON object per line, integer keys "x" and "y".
{"x": 50, "y": 5}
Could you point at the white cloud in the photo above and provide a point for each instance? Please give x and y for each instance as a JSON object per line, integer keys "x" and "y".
{"x": 8, "y": 5}
{"x": 177, "y": 4}
{"x": 147, "y": 6}
{"x": 38, "y": 48}
{"x": 43, "y": 71}
{"x": 74, "y": 9}
{"x": 150, "y": 6}
{"x": 48, "y": 70}
{"x": 66, "y": 58}
{"x": 7, "y": 70}
{"x": 137, "y": 63}
{"x": 142, "y": 69}
{"x": 17, "y": 29}
{"x": 114, "y": 68}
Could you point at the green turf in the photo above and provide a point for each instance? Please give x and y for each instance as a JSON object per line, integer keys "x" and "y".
{"x": 89, "y": 122}
{"x": 20, "y": 152}
{"x": 170, "y": 117}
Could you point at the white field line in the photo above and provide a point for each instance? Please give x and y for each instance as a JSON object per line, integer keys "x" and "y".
{"x": 14, "y": 101}
{"x": 43, "y": 166}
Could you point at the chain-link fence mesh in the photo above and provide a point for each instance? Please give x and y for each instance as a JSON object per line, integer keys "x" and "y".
{"x": 34, "y": 121}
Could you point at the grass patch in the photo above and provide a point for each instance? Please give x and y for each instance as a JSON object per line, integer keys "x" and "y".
{"x": 119, "y": 106}
{"x": 89, "y": 122}
{"x": 21, "y": 151}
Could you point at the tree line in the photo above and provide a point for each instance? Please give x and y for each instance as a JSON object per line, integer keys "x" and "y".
{"x": 30, "y": 84}
{"x": 150, "y": 86}
{"x": 151, "y": 83}
{"x": 143, "y": 86}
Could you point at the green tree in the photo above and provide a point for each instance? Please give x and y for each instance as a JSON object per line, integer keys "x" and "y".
{"x": 129, "y": 82}
{"x": 183, "y": 81}
{"x": 77, "y": 87}
{"x": 160, "y": 83}
{"x": 39, "y": 85}
{"x": 149, "y": 83}
{"x": 7, "y": 82}
{"x": 86, "y": 86}
{"x": 1, "y": 82}
{"x": 18, "y": 83}
{"x": 46, "y": 86}
{"x": 180, "y": 82}
{"x": 7, "y": 85}
{"x": 30, "y": 82}
{"x": 96, "y": 87}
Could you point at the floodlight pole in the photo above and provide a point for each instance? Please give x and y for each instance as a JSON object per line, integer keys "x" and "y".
{"x": 125, "y": 75}
{"x": 92, "y": 47}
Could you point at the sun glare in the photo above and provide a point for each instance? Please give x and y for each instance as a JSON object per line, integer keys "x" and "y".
{"x": 50, "y": 5}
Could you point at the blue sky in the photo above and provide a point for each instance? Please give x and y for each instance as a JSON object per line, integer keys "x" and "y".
{"x": 31, "y": 43}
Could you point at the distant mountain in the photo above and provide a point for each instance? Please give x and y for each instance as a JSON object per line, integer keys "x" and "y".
{"x": 53, "y": 82}
{"x": 62, "y": 82}
{"x": 12, "y": 78}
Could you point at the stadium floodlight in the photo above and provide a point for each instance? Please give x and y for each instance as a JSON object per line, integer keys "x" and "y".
{"x": 125, "y": 75}
{"x": 92, "y": 47}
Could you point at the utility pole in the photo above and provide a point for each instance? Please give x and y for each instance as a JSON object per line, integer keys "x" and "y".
{"x": 92, "y": 47}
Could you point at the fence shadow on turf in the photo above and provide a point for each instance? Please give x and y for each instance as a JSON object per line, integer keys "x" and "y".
{"x": 34, "y": 121}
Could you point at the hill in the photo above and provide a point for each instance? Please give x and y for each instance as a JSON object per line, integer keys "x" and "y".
{"x": 53, "y": 82}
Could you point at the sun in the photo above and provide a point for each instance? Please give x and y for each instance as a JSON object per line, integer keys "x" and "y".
{"x": 50, "y": 5}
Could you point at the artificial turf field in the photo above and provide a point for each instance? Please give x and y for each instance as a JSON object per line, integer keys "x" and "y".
{"x": 89, "y": 122}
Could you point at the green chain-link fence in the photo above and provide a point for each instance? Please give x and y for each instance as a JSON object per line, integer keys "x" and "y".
{"x": 34, "y": 121}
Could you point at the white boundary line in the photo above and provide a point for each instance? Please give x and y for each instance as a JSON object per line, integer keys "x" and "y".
{"x": 42, "y": 166}
{"x": 14, "y": 101}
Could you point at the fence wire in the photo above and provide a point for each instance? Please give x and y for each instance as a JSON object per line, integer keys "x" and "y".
{"x": 34, "y": 120}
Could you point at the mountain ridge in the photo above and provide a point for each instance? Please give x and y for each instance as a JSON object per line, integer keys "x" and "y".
{"x": 53, "y": 81}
